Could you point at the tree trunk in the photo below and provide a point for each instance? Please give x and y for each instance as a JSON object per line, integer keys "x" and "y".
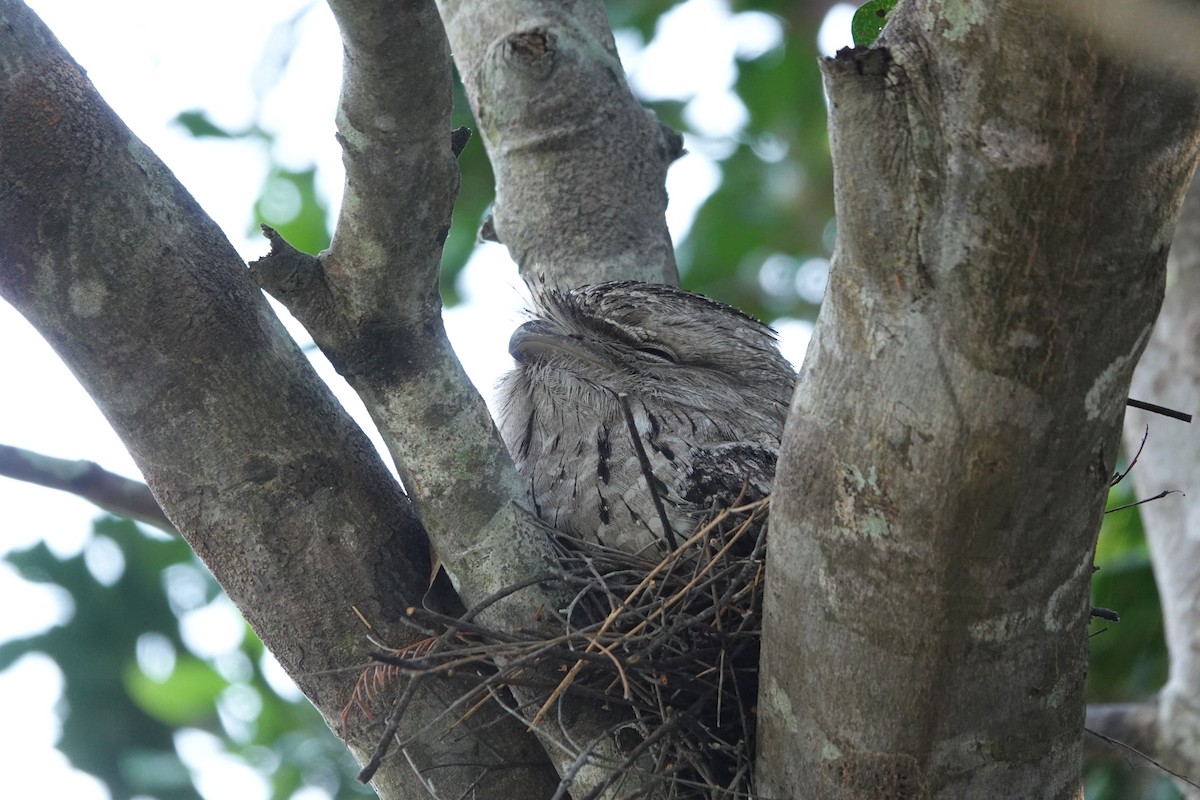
{"x": 255, "y": 463}
{"x": 1005, "y": 196}
{"x": 1006, "y": 191}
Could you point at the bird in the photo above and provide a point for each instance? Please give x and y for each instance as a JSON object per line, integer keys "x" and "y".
{"x": 703, "y": 384}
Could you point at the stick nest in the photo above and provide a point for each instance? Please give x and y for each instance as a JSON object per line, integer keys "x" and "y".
{"x": 671, "y": 646}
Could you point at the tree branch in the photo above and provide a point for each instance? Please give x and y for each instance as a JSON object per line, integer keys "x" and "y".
{"x": 109, "y": 491}
{"x": 372, "y": 304}
{"x": 262, "y": 472}
{"x": 1002, "y": 228}
{"x": 580, "y": 165}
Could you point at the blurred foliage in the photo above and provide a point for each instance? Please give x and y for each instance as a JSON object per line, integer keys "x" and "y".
{"x": 1128, "y": 660}
{"x": 774, "y": 199}
{"x": 289, "y": 203}
{"x": 475, "y": 195}
{"x": 776, "y": 191}
{"x": 775, "y": 196}
{"x": 103, "y": 731}
{"x": 199, "y": 126}
{"x": 119, "y": 723}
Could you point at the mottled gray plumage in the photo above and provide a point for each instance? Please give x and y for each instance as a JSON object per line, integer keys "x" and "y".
{"x": 709, "y": 392}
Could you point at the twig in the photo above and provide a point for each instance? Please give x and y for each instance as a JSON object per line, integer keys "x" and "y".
{"x": 613, "y": 616}
{"x": 1158, "y": 496}
{"x": 581, "y": 760}
{"x": 655, "y": 736}
{"x": 1143, "y": 756}
{"x": 499, "y": 595}
{"x": 672, "y": 642}
{"x": 647, "y": 471}
{"x": 1166, "y": 412}
{"x": 393, "y": 725}
{"x": 1121, "y": 475}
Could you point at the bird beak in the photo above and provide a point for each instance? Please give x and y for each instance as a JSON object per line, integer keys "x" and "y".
{"x": 539, "y": 340}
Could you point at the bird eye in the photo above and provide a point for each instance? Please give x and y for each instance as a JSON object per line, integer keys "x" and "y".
{"x": 657, "y": 352}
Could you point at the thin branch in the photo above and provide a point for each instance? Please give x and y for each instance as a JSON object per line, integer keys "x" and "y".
{"x": 647, "y": 470}
{"x": 109, "y": 491}
{"x": 1158, "y": 496}
{"x": 1166, "y": 412}
{"x": 389, "y": 731}
{"x": 1144, "y": 757}
{"x": 1136, "y": 724}
{"x": 1120, "y": 476}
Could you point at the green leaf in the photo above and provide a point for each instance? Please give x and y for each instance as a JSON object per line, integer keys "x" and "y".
{"x": 187, "y": 696}
{"x": 200, "y": 126}
{"x": 869, "y": 20}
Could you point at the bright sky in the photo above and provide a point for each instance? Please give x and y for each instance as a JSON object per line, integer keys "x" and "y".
{"x": 152, "y": 60}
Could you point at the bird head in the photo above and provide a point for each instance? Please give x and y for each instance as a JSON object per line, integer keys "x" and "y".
{"x": 654, "y": 342}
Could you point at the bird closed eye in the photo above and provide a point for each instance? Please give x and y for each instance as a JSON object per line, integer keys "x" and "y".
{"x": 657, "y": 352}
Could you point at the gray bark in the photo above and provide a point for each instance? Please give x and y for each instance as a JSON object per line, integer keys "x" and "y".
{"x": 371, "y": 302}
{"x": 85, "y": 479}
{"x": 1005, "y": 197}
{"x": 250, "y": 456}
{"x": 580, "y": 165}
{"x": 1003, "y": 222}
